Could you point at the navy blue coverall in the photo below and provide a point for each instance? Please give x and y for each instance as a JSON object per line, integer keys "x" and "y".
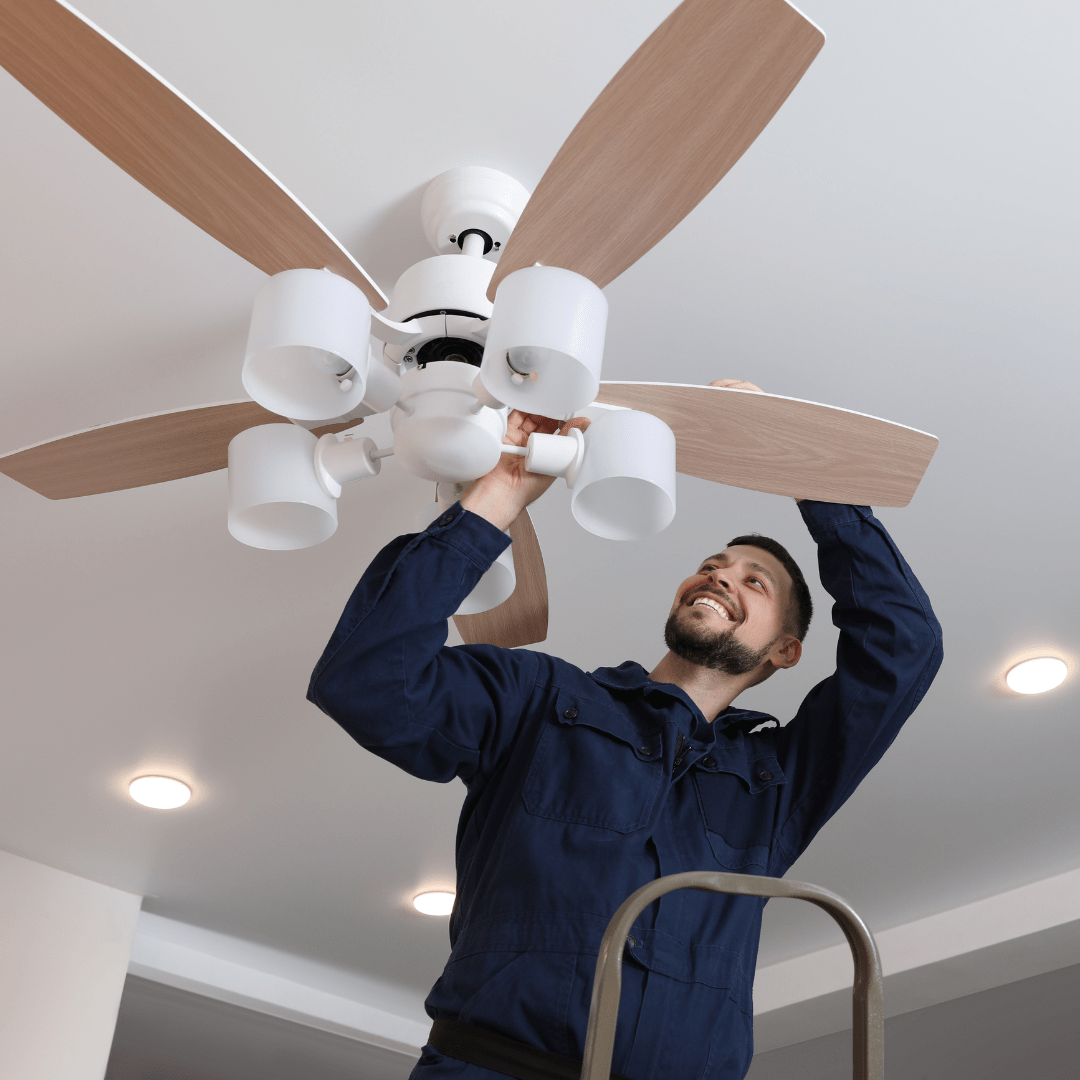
{"x": 583, "y": 787}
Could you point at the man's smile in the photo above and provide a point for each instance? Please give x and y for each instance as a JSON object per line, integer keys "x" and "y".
{"x": 718, "y": 603}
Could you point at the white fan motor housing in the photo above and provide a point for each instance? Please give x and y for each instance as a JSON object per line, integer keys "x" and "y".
{"x": 454, "y": 284}
{"x": 442, "y": 283}
{"x": 446, "y": 437}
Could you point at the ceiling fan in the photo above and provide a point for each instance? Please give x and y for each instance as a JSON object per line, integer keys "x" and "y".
{"x": 508, "y": 314}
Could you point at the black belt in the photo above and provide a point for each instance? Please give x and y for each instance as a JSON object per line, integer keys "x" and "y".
{"x": 501, "y": 1054}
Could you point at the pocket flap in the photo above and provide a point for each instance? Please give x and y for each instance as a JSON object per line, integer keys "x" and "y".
{"x": 593, "y": 766}
{"x": 574, "y": 709}
{"x": 757, "y": 774}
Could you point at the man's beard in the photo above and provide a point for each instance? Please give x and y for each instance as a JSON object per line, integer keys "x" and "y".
{"x": 717, "y": 649}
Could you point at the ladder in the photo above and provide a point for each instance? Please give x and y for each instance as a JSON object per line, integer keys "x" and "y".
{"x": 868, "y": 1014}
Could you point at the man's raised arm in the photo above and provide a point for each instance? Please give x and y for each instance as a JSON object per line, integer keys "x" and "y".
{"x": 387, "y": 677}
{"x": 888, "y": 653}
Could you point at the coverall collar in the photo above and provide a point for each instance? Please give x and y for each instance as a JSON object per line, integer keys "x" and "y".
{"x": 632, "y": 676}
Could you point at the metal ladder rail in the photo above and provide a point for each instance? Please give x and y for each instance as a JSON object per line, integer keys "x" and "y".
{"x": 868, "y": 1015}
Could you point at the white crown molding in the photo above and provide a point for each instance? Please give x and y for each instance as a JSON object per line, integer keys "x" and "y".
{"x": 279, "y": 984}
{"x": 1003, "y": 938}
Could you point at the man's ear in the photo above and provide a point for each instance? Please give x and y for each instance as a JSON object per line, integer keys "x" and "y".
{"x": 787, "y": 653}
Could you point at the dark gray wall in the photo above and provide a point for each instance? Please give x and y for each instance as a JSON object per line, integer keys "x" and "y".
{"x": 1025, "y": 1030}
{"x": 168, "y": 1034}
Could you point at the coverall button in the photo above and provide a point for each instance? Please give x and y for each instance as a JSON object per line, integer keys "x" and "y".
{"x": 570, "y": 713}
{"x": 708, "y": 762}
{"x": 645, "y": 751}
{"x": 632, "y": 941}
{"x": 764, "y": 775}
{"x": 445, "y": 519}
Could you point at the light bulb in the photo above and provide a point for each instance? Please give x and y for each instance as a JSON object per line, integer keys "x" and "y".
{"x": 1037, "y": 676}
{"x": 434, "y": 903}
{"x": 159, "y": 792}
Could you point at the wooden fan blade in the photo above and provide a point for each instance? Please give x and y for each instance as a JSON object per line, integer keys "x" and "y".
{"x": 783, "y": 445}
{"x": 681, "y": 111}
{"x": 523, "y": 619}
{"x": 146, "y": 450}
{"x": 157, "y": 136}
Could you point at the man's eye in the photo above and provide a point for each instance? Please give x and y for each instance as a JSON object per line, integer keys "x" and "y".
{"x": 758, "y": 581}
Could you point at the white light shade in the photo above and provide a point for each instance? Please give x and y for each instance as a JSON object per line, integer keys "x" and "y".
{"x": 625, "y": 488}
{"x": 1037, "y": 676}
{"x": 496, "y": 584}
{"x": 275, "y": 499}
{"x": 159, "y": 792}
{"x": 307, "y": 327}
{"x": 434, "y": 903}
{"x": 549, "y": 322}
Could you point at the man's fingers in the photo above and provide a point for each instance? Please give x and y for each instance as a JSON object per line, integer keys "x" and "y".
{"x": 530, "y": 422}
{"x": 737, "y": 384}
{"x": 519, "y": 426}
{"x": 545, "y": 425}
{"x": 581, "y": 422}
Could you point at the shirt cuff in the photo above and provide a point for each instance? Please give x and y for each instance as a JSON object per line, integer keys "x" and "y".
{"x": 475, "y": 537}
{"x": 822, "y": 517}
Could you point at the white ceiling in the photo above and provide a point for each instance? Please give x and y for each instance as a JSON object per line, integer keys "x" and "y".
{"x": 901, "y": 241}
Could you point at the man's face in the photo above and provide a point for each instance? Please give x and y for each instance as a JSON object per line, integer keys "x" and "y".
{"x": 730, "y": 615}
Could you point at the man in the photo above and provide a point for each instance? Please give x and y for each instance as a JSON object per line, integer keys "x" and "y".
{"x": 583, "y": 787}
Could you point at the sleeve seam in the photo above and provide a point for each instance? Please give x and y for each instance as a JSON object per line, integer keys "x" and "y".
{"x": 467, "y": 550}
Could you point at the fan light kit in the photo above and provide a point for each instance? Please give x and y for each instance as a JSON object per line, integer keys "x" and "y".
{"x": 1037, "y": 676}
{"x": 507, "y": 314}
{"x": 159, "y": 792}
{"x": 453, "y": 367}
{"x": 434, "y": 903}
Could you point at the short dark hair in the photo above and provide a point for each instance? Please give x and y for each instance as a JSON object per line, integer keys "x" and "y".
{"x": 801, "y": 607}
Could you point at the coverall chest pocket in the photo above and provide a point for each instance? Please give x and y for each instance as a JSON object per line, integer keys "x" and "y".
{"x": 739, "y": 810}
{"x": 592, "y": 766}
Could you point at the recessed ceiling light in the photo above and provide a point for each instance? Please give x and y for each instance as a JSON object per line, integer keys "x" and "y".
{"x": 434, "y": 903}
{"x": 160, "y": 792}
{"x": 1037, "y": 676}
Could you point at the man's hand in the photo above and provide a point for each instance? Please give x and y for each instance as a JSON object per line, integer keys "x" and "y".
{"x": 505, "y": 491}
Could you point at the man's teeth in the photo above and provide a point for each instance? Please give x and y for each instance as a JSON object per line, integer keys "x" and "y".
{"x": 704, "y": 601}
